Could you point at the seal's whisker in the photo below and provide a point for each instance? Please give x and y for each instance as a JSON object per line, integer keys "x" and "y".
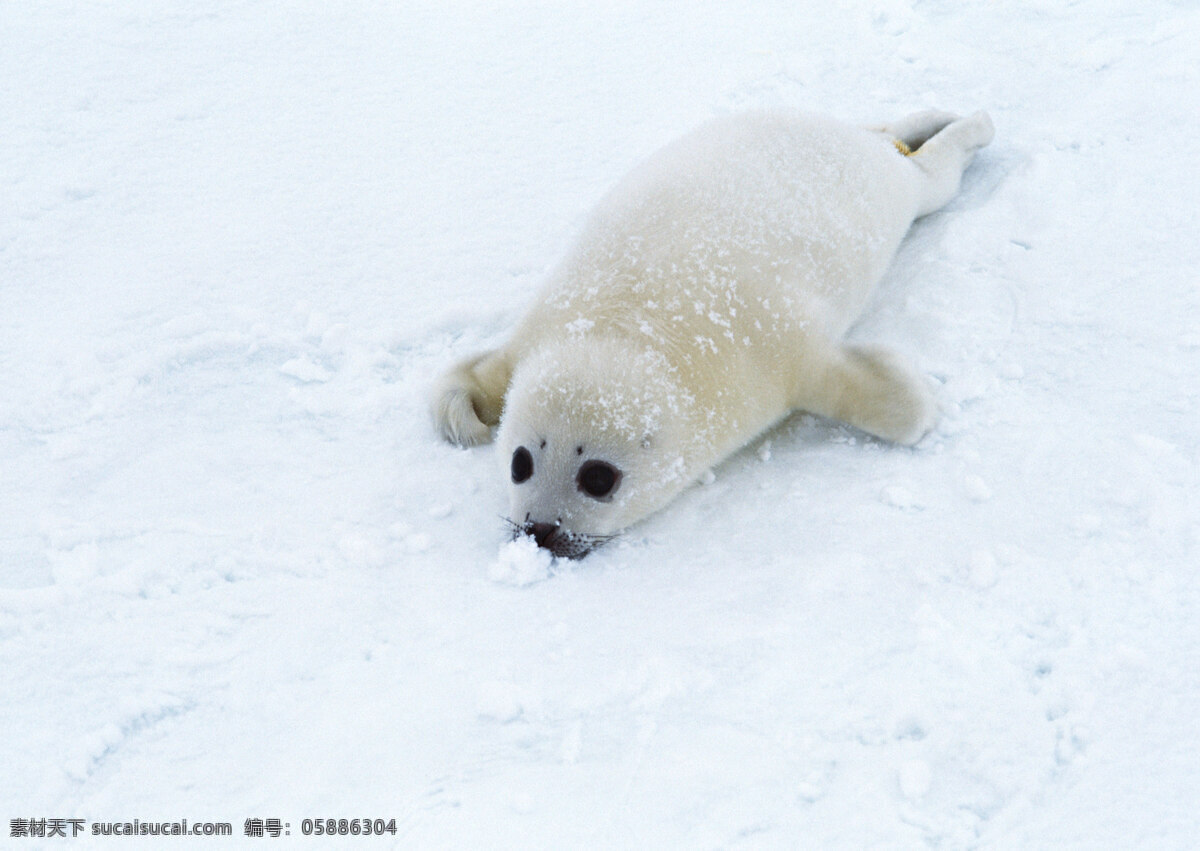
{"x": 516, "y": 528}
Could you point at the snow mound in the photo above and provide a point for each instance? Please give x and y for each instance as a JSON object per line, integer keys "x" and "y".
{"x": 520, "y": 562}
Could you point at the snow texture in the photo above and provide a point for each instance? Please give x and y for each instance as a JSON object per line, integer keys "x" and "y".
{"x": 240, "y": 576}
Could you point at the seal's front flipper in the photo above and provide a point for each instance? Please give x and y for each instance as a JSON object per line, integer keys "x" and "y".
{"x": 468, "y": 400}
{"x": 872, "y": 388}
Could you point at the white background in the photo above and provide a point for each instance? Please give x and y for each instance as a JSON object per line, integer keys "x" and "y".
{"x": 239, "y": 575}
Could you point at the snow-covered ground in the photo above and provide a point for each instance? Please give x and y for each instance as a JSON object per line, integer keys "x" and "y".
{"x": 240, "y": 576}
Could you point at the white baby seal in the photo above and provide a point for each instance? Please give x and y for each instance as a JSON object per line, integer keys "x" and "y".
{"x": 707, "y": 298}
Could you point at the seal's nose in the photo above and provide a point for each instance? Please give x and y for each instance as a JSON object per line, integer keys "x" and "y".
{"x": 541, "y": 532}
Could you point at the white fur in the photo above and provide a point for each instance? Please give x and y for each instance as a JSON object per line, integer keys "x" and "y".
{"x": 706, "y": 298}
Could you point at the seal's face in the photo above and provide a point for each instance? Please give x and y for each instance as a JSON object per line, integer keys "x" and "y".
{"x": 569, "y": 502}
{"x": 589, "y": 439}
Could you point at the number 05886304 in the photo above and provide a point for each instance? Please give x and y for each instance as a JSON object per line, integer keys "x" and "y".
{"x": 347, "y": 827}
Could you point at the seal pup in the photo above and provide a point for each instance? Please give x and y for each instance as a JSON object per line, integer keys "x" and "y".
{"x": 706, "y": 298}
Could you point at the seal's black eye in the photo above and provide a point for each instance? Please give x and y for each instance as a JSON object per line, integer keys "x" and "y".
{"x": 598, "y": 479}
{"x": 522, "y": 465}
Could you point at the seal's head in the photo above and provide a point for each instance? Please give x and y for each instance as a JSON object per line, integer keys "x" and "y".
{"x": 595, "y": 435}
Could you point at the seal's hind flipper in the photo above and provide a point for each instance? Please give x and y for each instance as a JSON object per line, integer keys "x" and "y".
{"x": 918, "y": 128}
{"x": 944, "y": 156}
